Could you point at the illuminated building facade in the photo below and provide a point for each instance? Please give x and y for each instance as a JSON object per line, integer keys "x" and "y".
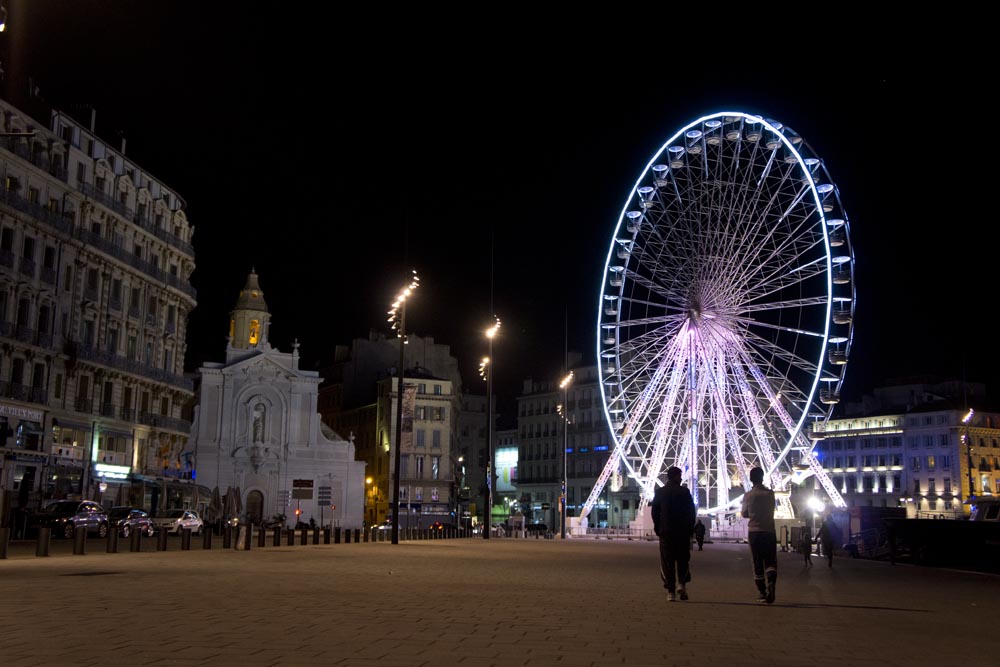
{"x": 257, "y": 430}
{"x": 540, "y": 460}
{"x": 95, "y": 262}
{"x": 428, "y": 484}
{"x": 923, "y": 460}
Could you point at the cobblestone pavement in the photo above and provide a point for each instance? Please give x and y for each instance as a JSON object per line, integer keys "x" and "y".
{"x": 477, "y": 602}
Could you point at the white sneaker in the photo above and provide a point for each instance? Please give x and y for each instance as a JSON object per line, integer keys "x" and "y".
{"x": 671, "y": 597}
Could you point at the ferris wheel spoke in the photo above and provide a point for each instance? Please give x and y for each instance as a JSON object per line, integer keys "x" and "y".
{"x": 754, "y": 340}
{"x": 784, "y": 305}
{"x": 715, "y": 341}
{"x": 777, "y": 327}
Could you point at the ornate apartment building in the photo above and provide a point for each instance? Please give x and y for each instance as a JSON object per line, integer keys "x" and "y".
{"x": 427, "y": 481}
{"x": 589, "y": 444}
{"x": 95, "y": 261}
{"x": 930, "y": 461}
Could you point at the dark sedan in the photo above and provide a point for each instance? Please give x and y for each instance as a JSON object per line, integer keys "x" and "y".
{"x": 63, "y": 516}
{"x": 129, "y": 519}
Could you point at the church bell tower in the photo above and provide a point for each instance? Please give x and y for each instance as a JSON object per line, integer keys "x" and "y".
{"x": 249, "y": 320}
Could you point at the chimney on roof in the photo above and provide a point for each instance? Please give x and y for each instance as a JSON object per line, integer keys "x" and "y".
{"x": 93, "y": 119}
{"x": 123, "y": 145}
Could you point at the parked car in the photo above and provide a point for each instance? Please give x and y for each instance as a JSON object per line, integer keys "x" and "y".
{"x": 173, "y": 521}
{"x": 130, "y": 519}
{"x": 63, "y": 516}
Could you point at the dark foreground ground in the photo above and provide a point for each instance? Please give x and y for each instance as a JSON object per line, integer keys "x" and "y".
{"x": 476, "y": 602}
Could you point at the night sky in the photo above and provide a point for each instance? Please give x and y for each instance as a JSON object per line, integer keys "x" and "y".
{"x": 324, "y": 151}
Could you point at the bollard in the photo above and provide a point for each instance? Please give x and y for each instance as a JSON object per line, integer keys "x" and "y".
{"x": 161, "y": 539}
{"x": 206, "y": 538}
{"x": 4, "y": 541}
{"x": 249, "y": 536}
{"x": 357, "y": 535}
{"x": 276, "y": 540}
{"x": 112, "y": 539}
{"x": 336, "y": 535}
{"x": 366, "y": 535}
{"x": 291, "y": 537}
{"x": 227, "y": 537}
{"x": 347, "y": 536}
{"x": 44, "y": 538}
{"x": 316, "y": 535}
{"x": 185, "y": 539}
{"x": 79, "y": 540}
{"x": 304, "y": 536}
{"x": 326, "y": 535}
{"x": 135, "y": 541}
{"x": 261, "y": 538}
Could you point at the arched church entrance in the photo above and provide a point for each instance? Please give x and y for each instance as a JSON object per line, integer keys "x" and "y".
{"x": 255, "y": 507}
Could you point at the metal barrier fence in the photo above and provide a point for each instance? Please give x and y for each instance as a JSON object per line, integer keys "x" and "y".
{"x": 240, "y": 538}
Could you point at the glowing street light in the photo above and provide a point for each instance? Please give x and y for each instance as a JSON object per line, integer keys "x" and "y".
{"x": 397, "y": 316}
{"x": 562, "y": 409}
{"x": 486, "y": 366}
{"x": 968, "y": 447}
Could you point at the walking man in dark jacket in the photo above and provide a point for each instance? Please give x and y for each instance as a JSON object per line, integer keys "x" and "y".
{"x": 673, "y": 520}
{"x": 758, "y": 506}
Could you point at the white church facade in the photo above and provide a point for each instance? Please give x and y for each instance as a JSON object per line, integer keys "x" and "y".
{"x": 257, "y": 433}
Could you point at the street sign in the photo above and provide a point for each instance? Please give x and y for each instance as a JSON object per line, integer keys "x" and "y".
{"x": 302, "y": 494}
{"x": 325, "y": 495}
{"x": 545, "y": 506}
{"x": 302, "y": 484}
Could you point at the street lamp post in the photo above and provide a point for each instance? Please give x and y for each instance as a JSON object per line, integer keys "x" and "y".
{"x": 564, "y": 412}
{"x": 399, "y": 309}
{"x": 488, "y": 367}
{"x": 369, "y": 502}
{"x": 968, "y": 447}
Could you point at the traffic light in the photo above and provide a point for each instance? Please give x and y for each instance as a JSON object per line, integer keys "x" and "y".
{"x": 333, "y": 507}
{"x": 298, "y": 511}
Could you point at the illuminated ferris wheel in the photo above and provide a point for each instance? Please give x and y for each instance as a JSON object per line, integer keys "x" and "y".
{"x": 727, "y": 311}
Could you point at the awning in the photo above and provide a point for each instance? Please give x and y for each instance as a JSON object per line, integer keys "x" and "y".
{"x": 27, "y": 457}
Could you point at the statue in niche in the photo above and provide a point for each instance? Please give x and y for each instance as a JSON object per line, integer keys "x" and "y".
{"x": 258, "y": 424}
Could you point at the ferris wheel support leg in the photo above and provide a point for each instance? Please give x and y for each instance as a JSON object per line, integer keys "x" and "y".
{"x": 825, "y": 481}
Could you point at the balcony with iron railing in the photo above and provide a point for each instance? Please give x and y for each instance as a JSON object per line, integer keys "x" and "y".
{"x": 22, "y": 392}
{"x": 16, "y": 145}
{"x": 25, "y": 334}
{"x": 59, "y": 220}
{"x": 163, "y": 421}
{"x": 7, "y": 259}
{"x": 106, "y": 200}
{"x": 133, "y": 260}
{"x": 104, "y": 358}
{"x": 141, "y": 220}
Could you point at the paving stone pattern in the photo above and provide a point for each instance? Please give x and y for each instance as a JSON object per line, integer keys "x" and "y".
{"x": 502, "y": 602}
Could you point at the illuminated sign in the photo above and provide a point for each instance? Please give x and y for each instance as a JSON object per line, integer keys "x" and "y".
{"x": 506, "y": 459}
{"x": 111, "y": 472}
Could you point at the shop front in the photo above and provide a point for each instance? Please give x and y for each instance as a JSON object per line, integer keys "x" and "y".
{"x": 22, "y": 463}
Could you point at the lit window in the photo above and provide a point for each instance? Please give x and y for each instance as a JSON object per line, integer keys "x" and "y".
{"x": 254, "y": 331}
